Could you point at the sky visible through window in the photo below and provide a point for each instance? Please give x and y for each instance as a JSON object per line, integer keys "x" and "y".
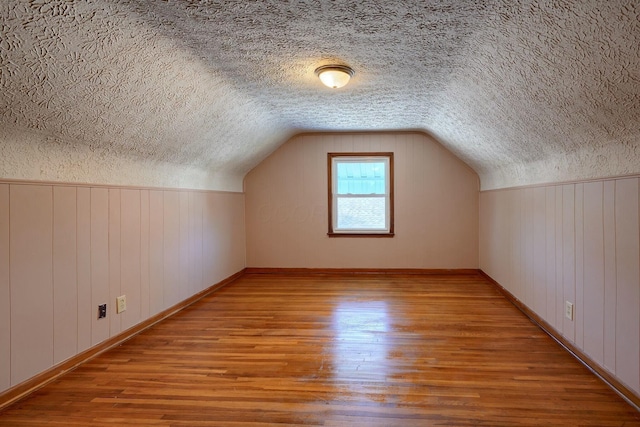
{"x": 361, "y": 178}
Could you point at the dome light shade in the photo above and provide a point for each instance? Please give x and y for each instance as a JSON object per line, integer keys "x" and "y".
{"x": 334, "y": 76}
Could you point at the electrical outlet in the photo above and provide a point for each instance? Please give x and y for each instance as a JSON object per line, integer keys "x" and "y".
{"x": 121, "y": 304}
{"x": 102, "y": 311}
{"x": 568, "y": 310}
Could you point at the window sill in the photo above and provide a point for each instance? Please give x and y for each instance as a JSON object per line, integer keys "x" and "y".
{"x": 360, "y": 234}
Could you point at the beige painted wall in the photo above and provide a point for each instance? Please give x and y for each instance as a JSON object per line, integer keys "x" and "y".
{"x": 574, "y": 242}
{"x": 436, "y": 207}
{"x": 65, "y": 249}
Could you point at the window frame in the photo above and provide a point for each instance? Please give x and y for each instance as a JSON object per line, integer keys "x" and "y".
{"x": 388, "y": 157}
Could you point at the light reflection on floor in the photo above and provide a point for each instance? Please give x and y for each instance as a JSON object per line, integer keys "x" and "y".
{"x": 361, "y": 348}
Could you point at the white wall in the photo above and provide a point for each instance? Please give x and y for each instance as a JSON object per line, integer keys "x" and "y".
{"x": 65, "y": 249}
{"x": 436, "y": 207}
{"x": 575, "y": 242}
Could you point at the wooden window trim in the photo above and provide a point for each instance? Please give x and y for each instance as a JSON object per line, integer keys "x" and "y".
{"x": 330, "y": 157}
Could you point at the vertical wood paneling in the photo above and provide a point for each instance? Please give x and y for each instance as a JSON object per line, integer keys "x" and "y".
{"x": 85, "y": 309}
{"x": 100, "y": 264}
{"x": 456, "y": 228}
{"x": 198, "y": 283}
{"x": 592, "y": 258}
{"x": 235, "y": 253}
{"x": 5, "y": 294}
{"x": 184, "y": 289}
{"x": 432, "y": 191}
{"x": 286, "y": 213}
{"x": 171, "y": 262}
{"x": 610, "y": 298}
{"x": 65, "y": 287}
{"x": 550, "y": 227}
{"x": 488, "y": 233}
{"x": 65, "y": 249}
{"x": 156, "y": 251}
{"x": 305, "y": 209}
{"x": 217, "y": 226}
{"x": 208, "y": 244}
{"x": 115, "y": 285}
{"x": 144, "y": 254}
{"x": 579, "y": 312}
{"x": 568, "y": 256}
{"x": 130, "y": 268}
{"x": 317, "y": 206}
{"x": 628, "y": 283}
{"x": 528, "y": 253}
{"x": 515, "y": 202}
{"x": 223, "y": 223}
{"x": 593, "y": 306}
{"x": 539, "y": 246}
{"x": 508, "y": 235}
{"x": 31, "y": 280}
{"x": 436, "y": 207}
{"x": 451, "y": 217}
{"x": 503, "y": 224}
{"x": 559, "y": 306}
{"x": 297, "y": 215}
{"x": 191, "y": 249}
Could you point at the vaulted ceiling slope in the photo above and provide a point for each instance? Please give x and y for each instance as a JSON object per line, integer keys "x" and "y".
{"x": 522, "y": 91}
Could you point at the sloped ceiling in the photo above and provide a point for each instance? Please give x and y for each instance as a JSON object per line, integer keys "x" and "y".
{"x": 522, "y": 91}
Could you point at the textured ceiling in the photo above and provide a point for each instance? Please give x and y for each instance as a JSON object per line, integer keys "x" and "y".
{"x": 523, "y": 91}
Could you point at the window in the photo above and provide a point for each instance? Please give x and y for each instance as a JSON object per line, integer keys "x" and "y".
{"x": 360, "y": 194}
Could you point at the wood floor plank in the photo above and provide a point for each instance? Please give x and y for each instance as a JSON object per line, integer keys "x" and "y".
{"x": 326, "y": 350}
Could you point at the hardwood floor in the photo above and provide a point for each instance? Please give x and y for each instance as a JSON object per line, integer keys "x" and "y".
{"x": 329, "y": 350}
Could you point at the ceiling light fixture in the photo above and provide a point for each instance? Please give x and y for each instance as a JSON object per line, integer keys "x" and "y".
{"x": 334, "y": 76}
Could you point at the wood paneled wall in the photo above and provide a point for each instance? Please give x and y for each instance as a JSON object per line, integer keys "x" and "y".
{"x": 579, "y": 243}
{"x": 66, "y": 249}
{"x": 436, "y": 207}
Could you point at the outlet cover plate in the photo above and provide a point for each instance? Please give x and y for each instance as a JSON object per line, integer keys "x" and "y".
{"x": 121, "y": 304}
{"x": 568, "y": 310}
{"x": 102, "y": 311}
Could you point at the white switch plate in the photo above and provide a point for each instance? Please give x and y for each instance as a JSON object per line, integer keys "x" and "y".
{"x": 121, "y": 304}
{"x": 568, "y": 310}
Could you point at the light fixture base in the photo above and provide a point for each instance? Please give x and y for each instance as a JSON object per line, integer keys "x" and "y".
{"x": 334, "y": 76}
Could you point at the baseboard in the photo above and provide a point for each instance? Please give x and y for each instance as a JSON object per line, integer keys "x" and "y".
{"x": 632, "y": 398}
{"x": 27, "y": 387}
{"x": 343, "y": 271}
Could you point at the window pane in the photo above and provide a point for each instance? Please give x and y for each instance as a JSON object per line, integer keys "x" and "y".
{"x": 360, "y": 194}
{"x": 360, "y": 177}
{"x": 361, "y": 213}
